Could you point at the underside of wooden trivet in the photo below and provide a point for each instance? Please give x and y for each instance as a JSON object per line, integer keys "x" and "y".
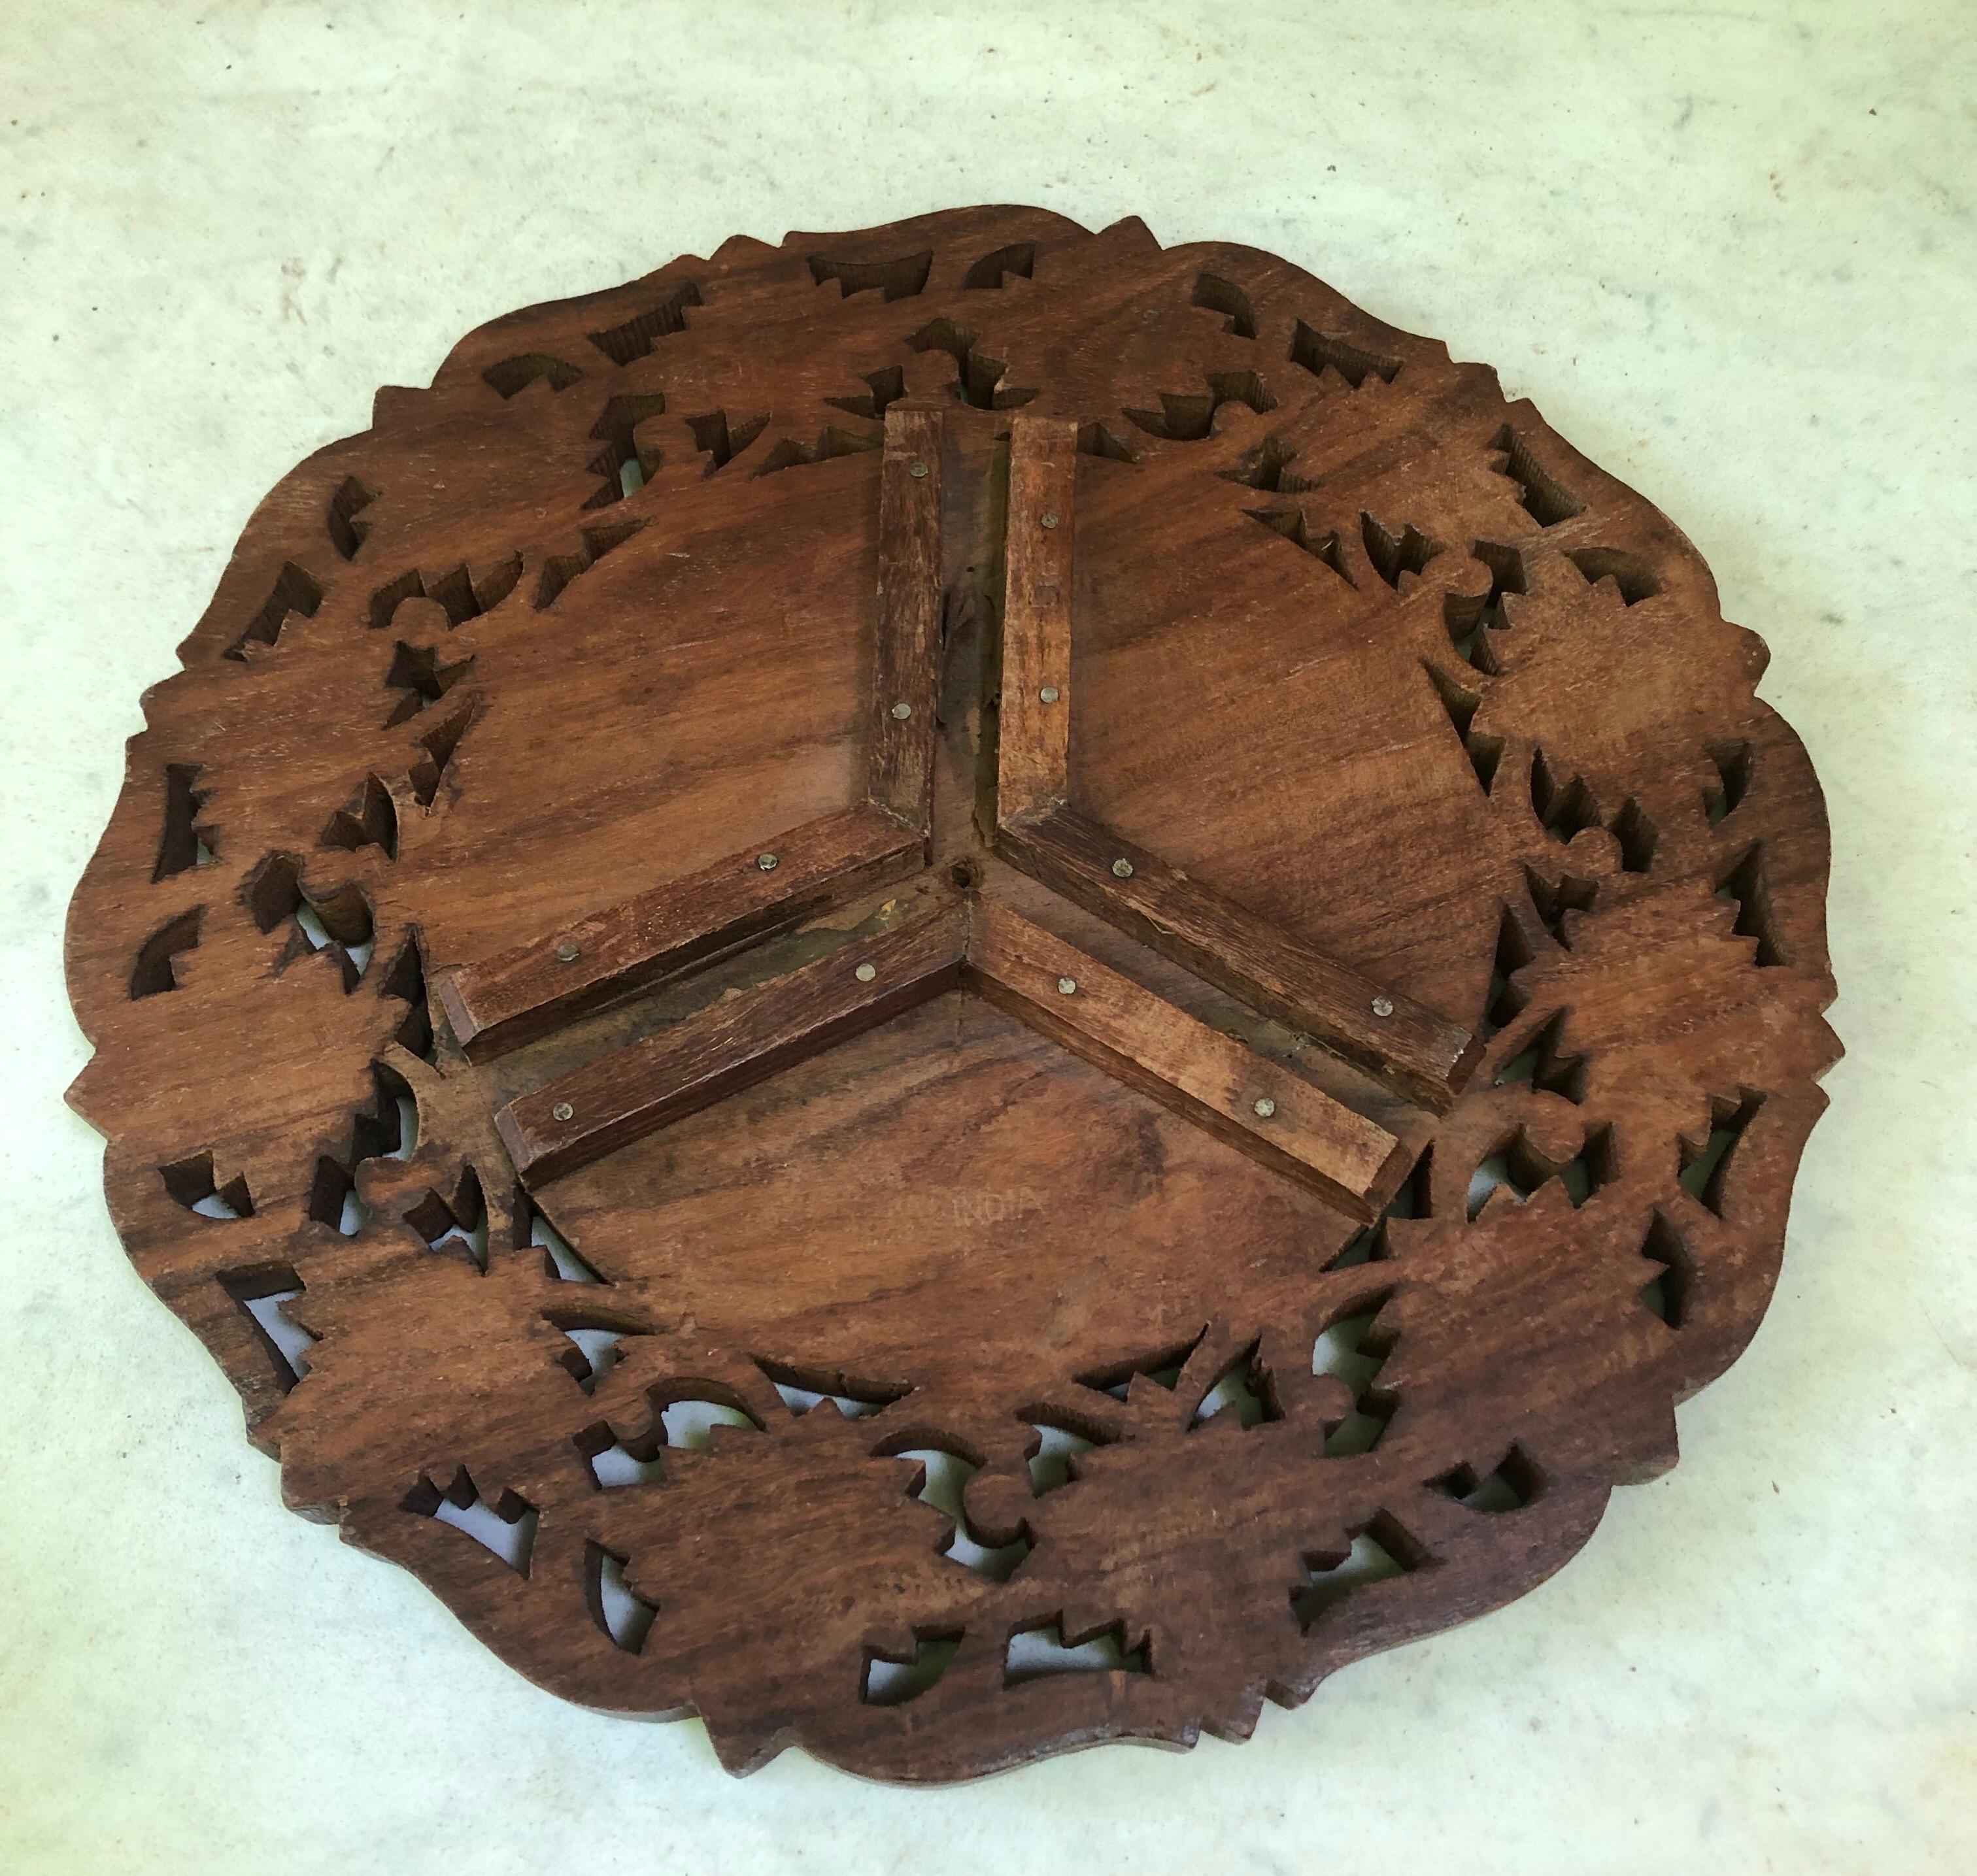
{"x": 958, "y": 990}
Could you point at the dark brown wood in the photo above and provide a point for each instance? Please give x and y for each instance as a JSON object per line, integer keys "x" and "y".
{"x": 1262, "y": 1110}
{"x": 1062, "y": 1396}
{"x": 1034, "y": 715}
{"x": 501, "y": 1002}
{"x": 906, "y": 656}
{"x": 1420, "y": 1053}
{"x": 747, "y": 1037}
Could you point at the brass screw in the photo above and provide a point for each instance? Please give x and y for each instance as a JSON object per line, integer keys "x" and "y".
{"x": 865, "y": 972}
{"x": 1265, "y": 1107}
{"x": 563, "y": 1111}
{"x": 1067, "y": 987}
{"x": 1049, "y": 518}
{"x": 1048, "y": 694}
{"x": 567, "y": 953}
{"x": 902, "y": 711}
{"x": 1122, "y": 869}
{"x": 765, "y": 862}
{"x": 1383, "y": 1006}
{"x": 916, "y": 470}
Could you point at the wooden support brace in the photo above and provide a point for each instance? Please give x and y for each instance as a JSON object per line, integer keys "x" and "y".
{"x": 1207, "y": 1077}
{"x": 1422, "y": 1055}
{"x": 513, "y": 997}
{"x": 906, "y": 656}
{"x": 1034, "y": 745}
{"x": 743, "y": 1039}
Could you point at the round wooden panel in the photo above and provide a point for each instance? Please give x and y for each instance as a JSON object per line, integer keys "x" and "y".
{"x": 958, "y": 990}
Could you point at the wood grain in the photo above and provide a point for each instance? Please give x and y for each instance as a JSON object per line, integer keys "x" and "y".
{"x": 941, "y": 1370}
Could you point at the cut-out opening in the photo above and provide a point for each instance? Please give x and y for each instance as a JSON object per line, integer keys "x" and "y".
{"x": 561, "y": 1259}
{"x": 615, "y": 1462}
{"x": 1733, "y": 763}
{"x": 1190, "y": 418}
{"x": 346, "y": 529}
{"x": 1745, "y": 886}
{"x": 1267, "y": 467}
{"x": 339, "y": 922}
{"x": 978, "y": 377}
{"x": 802, "y": 1389}
{"x": 419, "y": 672}
{"x": 1396, "y": 556}
{"x": 892, "y": 1680}
{"x": 512, "y": 376}
{"x": 436, "y": 747}
{"x": 1319, "y": 352}
{"x": 259, "y": 1292}
{"x": 1503, "y": 1002}
{"x": 1291, "y": 523}
{"x": 1666, "y": 1293}
{"x": 457, "y": 1224}
{"x": 1352, "y": 1349}
{"x": 1631, "y": 575}
{"x": 1564, "y": 809}
{"x": 599, "y": 538}
{"x": 156, "y": 968}
{"x": 405, "y": 979}
{"x": 370, "y": 818}
{"x": 1019, "y": 257}
{"x": 1036, "y": 1652}
{"x": 294, "y": 592}
{"x": 1097, "y": 439}
{"x": 193, "y": 1182}
{"x": 1540, "y": 494}
{"x": 1508, "y": 1486}
{"x": 831, "y": 442}
{"x": 1162, "y": 1366}
{"x": 1705, "y": 1168}
{"x": 333, "y": 1199}
{"x": 901, "y": 278}
{"x": 1541, "y": 1063}
{"x": 1380, "y": 1551}
{"x": 182, "y": 843}
{"x": 1515, "y": 1165}
{"x": 506, "y": 1527}
{"x": 885, "y": 387}
{"x": 1053, "y": 1464}
{"x": 1637, "y": 836}
{"x": 635, "y": 338}
{"x": 1551, "y": 902}
{"x": 942, "y": 1483}
{"x": 617, "y": 1609}
{"x": 1224, "y": 296}
{"x": 1245, "y": 1389}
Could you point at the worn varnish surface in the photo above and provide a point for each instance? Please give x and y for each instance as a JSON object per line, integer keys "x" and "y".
{"x": 1147, "y": 1289}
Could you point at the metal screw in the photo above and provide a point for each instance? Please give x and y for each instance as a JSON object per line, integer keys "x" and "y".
{"x": 563, "y": 1111}
{"x": 1067, "y": 987}
{"x": 865, "y": 972}
{"x": 1048, "y": 694}
{"x": 1383, "y": 1006}
{"x": 916, "y": 470}
{"x": 765, "y": 862}
{"x": 902, "y": 711}
{"x": 1049, "y": 518}
{"x": 1265, "y": 1107}
{"x": 1149, "y": 316}
{"x": 1122, "y": 869}
{"x": 567, "y": 953}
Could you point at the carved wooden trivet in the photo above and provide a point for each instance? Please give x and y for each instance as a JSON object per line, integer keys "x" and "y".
{"x": 958, "y": 990}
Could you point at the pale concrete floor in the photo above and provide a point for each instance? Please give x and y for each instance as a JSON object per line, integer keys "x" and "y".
{"x": 1731, "y": 252}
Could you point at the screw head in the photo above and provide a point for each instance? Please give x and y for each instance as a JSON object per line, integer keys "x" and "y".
{"x": 765, "y": 863}
{"x": 1264, "y": 1107}
{"x": 902, "y": 711}
{"x": 563, "y": 1111}
{"x": 1049, "y": 518}
{"x": 567, "y": 953}
{"x": 917, "y": 470}
{"x": 865, "y": 972}
{"x": 1122, "y": 869}
{"x": 1048, "y": 694}
{"x": 1148, "y": 316}
{"x": 1383, "y": 1006}
{"x": 1067, "y": 987}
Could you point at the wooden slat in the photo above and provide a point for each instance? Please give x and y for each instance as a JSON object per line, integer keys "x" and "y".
{"x": 1195, "y": 1070}
{"x": 754, "y": 1033}
{"x": 1421, "y": 1054}
{"x": 511, "y": 998}
{"x": 1033, "y": 752}
{"x": 905, "y": 662}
